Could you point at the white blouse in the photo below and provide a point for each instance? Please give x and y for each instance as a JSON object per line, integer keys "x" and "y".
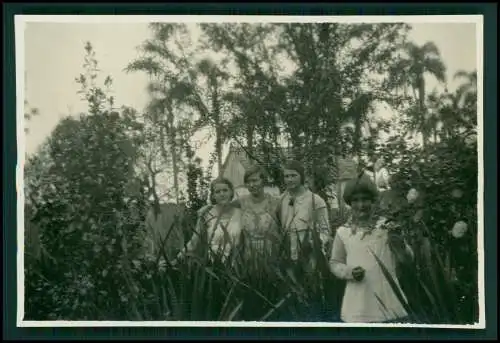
{"x": 371, "y": 299}
{"x": 302, "y": 213}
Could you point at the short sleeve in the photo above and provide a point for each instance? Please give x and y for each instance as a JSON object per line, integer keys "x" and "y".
{"x": 339, "y": 256}
{"x": 342, "y": 232}
{"x": 321, "y": 212}
{"x": 339, "y": 253}
{"x": 319, "y": 203}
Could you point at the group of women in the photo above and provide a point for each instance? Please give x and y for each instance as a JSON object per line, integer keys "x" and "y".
{"x": 353, "y": 249}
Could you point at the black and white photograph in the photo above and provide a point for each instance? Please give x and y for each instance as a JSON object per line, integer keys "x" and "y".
{"x": 250, "y": 170}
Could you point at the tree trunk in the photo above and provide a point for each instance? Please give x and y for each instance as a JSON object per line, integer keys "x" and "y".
{"x": 276, "y": 132}
{"x": 218, "y": 126}
{"x": 164, "y": 153}
{"x": 357, "y": 136}
{"x": 250, "y": 128}
{"x": 171, "y": 133}
{"x": 151, "y": 188}
{"x": 421, "y": 100}
{"x": 334, "y": 124}
{"x": 218, "y": 148}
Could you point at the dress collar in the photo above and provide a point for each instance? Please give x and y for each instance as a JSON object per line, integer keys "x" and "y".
{"x": 366, "y": 229}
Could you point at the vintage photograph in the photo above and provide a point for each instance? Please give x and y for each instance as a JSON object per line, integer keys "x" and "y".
{"x": 253, "y": 169}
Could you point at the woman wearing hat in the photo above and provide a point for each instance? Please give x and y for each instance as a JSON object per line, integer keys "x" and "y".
{"x": 368, "y": 296}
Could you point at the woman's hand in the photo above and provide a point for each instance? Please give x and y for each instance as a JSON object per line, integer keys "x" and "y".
{"x": 358, "y": 273}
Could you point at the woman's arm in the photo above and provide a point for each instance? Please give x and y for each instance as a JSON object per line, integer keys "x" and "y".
{"x": 323, "y": 223}
{"x": 321, "y": 220}
{"x": 338, "y": 260}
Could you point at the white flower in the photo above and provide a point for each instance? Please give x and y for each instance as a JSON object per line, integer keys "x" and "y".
{"x": 412, "y": 195}
{"x": 457, "y": 193}
{"x": 459, "y": 229}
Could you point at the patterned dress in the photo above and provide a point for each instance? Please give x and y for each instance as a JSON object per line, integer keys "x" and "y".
{"x": 259, "y": 223}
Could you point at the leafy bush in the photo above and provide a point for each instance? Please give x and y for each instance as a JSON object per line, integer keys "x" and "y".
{"x": 432, "y": 191}
{"x": 83, "y": 218}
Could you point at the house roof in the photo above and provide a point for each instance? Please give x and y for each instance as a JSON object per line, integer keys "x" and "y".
{"x": 347, "y": 166}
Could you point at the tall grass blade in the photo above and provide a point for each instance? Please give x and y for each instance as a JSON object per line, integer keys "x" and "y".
{"x": 394, "y": 286}
{"x": 176, "y": 305}
{"x": 383, "y": 305}
{"x": 275, "y": 307}
{"x": 235, "y": 311}
{"x": 437, "y": 286}
{"x": 227, "y": 300}
{"x": 435, "y": 308}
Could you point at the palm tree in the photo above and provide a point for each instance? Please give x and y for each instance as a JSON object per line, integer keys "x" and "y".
{"x": 203, "y": 90}
{"x": 358, "y": 112}
{"x": 248, "y": 46}
{"x": 449, "y": 113}
{"x": 411, "y": 70}
{"x": 162, "y": 109}
{"x": 215, "y": 77}
{"x": 445, "y": 109}
{"x": 434, "y": 113}
{"x": 161, "y": 64}
{"x": 467, "y": 94}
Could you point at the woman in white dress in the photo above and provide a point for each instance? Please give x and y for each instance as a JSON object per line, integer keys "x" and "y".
{"x": 368, "y": 296}
{"x": 219, "y": 225}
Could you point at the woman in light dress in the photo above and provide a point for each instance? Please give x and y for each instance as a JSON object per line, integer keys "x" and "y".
{"x": 260, "y": 225}
{"x": 368, "y": 296}
{"x": 219, "y": 226}
{"x": 301, "y": 212}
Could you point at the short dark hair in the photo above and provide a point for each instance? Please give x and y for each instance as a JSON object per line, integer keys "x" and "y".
{"x": 296, "y": 166}
{"x": 256, "y": 169}
{"x": 220, "y": 180}
{"x": 362, "y": 184}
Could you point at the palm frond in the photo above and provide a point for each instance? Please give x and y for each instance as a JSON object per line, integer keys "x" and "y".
{"x": 146, "y": 64}
{"x": 436, "y": 67}
{"x": 158, "y": 50}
